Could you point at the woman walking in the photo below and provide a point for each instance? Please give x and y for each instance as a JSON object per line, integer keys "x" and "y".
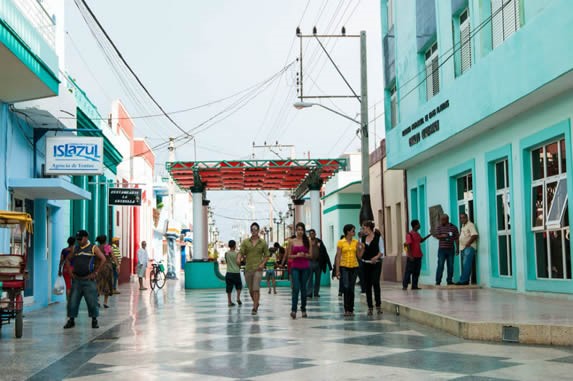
{"x": 105, "y": 274}
{"x": 65, "y": 267}
{"x": 299, "y": 252}
{"x": 348, "y": 252}
{"x": 372, "y": 257}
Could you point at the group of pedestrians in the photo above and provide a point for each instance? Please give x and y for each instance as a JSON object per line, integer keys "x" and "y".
{"x": 92, "y": 270}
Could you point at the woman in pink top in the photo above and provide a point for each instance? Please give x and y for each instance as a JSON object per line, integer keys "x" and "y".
{"x": 299, "y": 252}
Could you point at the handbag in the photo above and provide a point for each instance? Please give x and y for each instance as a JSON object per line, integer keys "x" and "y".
{"x": 59, "y": 286}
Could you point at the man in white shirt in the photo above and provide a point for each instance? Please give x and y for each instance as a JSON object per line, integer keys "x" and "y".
{"x": 142, "y": 258}
{"x": 468, "y": 247}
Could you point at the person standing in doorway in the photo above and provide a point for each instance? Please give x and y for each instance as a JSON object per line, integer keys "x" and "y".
{"x": 468, "y": 247}
{"x": 255, "y": 253}
{"x": 348, "y": 252}
{"x": 117, "y": 263}
{"x": 448, "y": 236}
{"x": 414, "y": 256}
{"x": 233, "y": 275}
{"x": 64, "y": 269}
{"x": 372, "y": 257}
{"x": 142, "y": 259}
{"x": 313, "y": 285}
{"x": 299, "y": 251}
{"x": 84, "y": 273}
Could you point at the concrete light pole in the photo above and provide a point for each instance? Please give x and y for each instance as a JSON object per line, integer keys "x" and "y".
{"x": 366, "y": 206}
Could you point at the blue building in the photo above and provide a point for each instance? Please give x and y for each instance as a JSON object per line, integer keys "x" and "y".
{"x": 479, "y": 101}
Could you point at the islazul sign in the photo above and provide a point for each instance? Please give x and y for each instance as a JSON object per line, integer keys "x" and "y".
{"x": 74, "y": 155}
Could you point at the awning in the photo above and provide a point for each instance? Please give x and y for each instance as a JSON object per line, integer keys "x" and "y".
{"x": 48, "y": 189}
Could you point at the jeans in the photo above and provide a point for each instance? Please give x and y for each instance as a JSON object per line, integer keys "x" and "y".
{"x": 445, "y": 255}
{"x": 299, "y": 281}
{"x": 371, "y": 273}
{"x": 468, "y": 255}
{"x": 88, "y": 289}
{"x": 413, "y": 267}
{"x": 313, "y": 287}
{"x": 115, "y": 276}
{"x": 360, "y": 277}
{"x": 348, "y": 279}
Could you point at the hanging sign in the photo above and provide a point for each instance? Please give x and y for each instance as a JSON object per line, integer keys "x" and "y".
{"x": 124, "y": 196}
{"x": 74, "y": 155}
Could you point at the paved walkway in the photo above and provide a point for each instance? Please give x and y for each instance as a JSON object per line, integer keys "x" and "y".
{"x": 178, "y": 334}
{"x": 486, "y": 314}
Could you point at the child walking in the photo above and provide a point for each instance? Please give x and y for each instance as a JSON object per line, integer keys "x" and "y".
{"x": 233, "y": 276}
{"x": 271, "y": 273}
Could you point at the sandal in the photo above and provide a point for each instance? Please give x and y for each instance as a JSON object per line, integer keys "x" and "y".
{"x": 239, "y": 302}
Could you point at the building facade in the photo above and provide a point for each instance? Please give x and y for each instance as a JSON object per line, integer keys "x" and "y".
{"x": 479, "y": 101}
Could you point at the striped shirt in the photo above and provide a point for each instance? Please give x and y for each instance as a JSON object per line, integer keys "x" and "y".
{"x": 453, "y": 235}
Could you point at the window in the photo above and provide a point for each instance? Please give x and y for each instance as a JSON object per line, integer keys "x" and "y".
{"x": 503, "y": 221}
{"x": 393, "y": 107}
{"x": 466, "y": 195}
{"x": 550, "y": 219}
{"x": 390, "y": 10}
{"x": 465, "y": 41}
{"x": 504, "y": 20}
{"x": 432, "y": 71}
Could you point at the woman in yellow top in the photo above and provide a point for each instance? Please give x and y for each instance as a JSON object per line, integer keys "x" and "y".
{"x": 348, "y": 251}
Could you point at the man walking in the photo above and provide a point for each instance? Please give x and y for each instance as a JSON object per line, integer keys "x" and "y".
{"x": 142, "y": 258}
{"x": 255, "y": 253}
{"x": 448, "y": 236}
{"x": 468, "y": 246}
{"x": 84, "y": 274}
{"x": 414, "y": 256}
{"x": 313, "y": 285}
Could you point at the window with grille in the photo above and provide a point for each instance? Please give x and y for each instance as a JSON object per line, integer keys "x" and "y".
{"x": 465, "y": 41}
{"x": 393, "y": 107}
{"x": 432, "y": 71}
{"x": 465, "y": 194}
{"x": 550, "y": 219}
{"x": 504, "y": 20}
{"x": 503, "y": 220}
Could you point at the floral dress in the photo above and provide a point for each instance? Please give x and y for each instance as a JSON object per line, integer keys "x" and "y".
{"x": 105, "y": 274}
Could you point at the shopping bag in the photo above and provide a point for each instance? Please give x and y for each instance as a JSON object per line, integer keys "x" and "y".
{"x": 59, "y": 286}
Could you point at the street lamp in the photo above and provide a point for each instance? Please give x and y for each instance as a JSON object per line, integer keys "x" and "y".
{"x": 366, "y": 207}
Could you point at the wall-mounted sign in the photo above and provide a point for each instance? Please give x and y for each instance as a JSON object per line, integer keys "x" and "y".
{"x": 426, "y": 131}
{"x": 124, "y": 196}
{"x": 74, "y": 155}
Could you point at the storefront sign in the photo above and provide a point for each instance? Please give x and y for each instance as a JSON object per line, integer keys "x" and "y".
{"x": 124, "y": 196}
{"x": 430, "y": 129}
{"x": 75, "y": 155}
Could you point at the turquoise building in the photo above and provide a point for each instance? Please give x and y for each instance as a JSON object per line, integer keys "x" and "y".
{"x": 479, "y": 102}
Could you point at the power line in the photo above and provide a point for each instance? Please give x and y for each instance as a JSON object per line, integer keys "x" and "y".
{"x": 77, "y": 2}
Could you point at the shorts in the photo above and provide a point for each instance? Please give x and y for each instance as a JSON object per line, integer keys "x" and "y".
{"x": 233, "y": 280}
{"x": 141, "y": 270}
{"x": 271, "y": 274}
{"x": 253, "y": 279}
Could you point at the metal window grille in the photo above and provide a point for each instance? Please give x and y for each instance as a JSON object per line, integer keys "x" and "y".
{"x": 432, "y": 71}
{"x": 465, "y": 34}
{"x": 503, "y": 220}
{"x": 505, "y": 20}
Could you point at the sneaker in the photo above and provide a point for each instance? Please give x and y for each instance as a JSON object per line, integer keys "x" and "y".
{"x": 304, "y": 315}
{"x": 293, "y": 315}
{"x": 94, "y": 323}
{"x": 369, "y": 313}
{"x": 239, "y": 302}
{"x": 70, "y": 324}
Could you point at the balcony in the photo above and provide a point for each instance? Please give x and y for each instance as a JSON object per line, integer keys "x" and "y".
{"x": 27, "y": 53}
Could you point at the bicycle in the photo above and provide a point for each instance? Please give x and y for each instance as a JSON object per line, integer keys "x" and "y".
{"x": 157, "y": 276}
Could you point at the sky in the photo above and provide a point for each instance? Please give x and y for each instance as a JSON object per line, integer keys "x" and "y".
{"x": 193, "y": 53}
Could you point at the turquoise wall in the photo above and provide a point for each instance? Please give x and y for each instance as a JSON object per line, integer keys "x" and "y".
{"x": 517, "y": 67}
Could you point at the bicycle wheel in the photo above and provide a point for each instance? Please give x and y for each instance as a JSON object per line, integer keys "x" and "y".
{"x": 160, "y": 279}
{"x": 152, "y": 279}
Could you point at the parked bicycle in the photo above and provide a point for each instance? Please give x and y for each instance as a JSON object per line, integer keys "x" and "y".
{"x": 157, "y": 275}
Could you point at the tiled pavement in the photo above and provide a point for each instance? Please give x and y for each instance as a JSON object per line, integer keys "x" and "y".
{"x": 192, "y": 335}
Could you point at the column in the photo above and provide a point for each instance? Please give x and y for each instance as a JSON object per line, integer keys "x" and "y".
{"x": 298, "y": 204}
{"x": 205, "y": 221}
{"x": 198, "y": 243}
{"x": 315, "y": 213}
